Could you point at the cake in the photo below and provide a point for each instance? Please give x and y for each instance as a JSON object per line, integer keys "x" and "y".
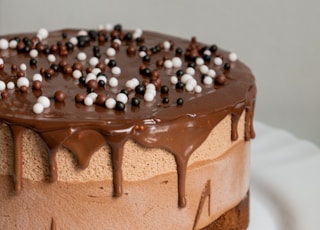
{"x": 123, "y": 129}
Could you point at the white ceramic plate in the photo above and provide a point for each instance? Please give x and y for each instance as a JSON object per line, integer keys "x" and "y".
{"x": 285, "y": 189}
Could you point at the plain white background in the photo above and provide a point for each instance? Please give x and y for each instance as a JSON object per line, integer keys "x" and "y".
{"x": 278, "y": 39}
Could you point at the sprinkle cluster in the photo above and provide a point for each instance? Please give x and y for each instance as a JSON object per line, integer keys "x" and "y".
{"x": 100, "y": 71}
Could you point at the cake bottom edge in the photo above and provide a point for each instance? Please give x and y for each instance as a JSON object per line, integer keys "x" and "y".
{"x": 236, "y": 218}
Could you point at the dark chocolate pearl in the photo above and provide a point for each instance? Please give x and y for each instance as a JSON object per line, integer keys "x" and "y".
{"x": 26, "y": 49}
{"x": 140, "y": 89}
{"x": 143, "y": 48}
{"x": 179, "y": 51}
{"x": 128, "y": 37}
{"x": 227, "y": 66}
{"x": 135, "y": 101}
{"x": 192, "y": 64}
{"x": 180, "y": 101}
{"x": 47, "y": 75}
{"x": 101, "y": 99}
{"x": 69, "y": 46}
{"x": 179, "y": 85}
{"x": 131, "y": 50}
{"x": 27, "y": 41}
{"x": 220, "y": 79}
{"x": 213, "y": 48}
{"x": 117, "y": 27}
{"x": 55, "y": 67}
{"x": 46, "y": 50}
{"x": 24, "y": 89}
{"x": 164, "y": 89}
{"x": 64, "y": 35}
{"x": 4, "y": 95}
{"x": 33, "y": 62}
{"x": 83, "y": 40}
{"x": 146, "y": 72}
{"x": 125, "y": 91}
{"x": 92, "y": 34}
{"x": 139, "y": 40}
{"x": 120, "y": 106}
{"x": 165, "y": 100}
{"x": 146, "y": 58}
{"x": 95, "y": 49}
{"x": 82, "y": 80}
{"x": 112, "y": 63}
{"x": 101, "y": 83}
{"x": 206, "y": 58}
{"x": 179, "y": 73}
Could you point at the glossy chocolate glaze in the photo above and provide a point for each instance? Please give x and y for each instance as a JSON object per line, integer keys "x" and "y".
{"x": 82, "y": 129}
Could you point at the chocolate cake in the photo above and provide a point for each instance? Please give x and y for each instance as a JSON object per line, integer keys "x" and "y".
{"x": 123, "y": 129}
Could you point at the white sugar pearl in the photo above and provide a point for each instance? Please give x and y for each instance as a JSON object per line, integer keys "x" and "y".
{"x": 1, "y": 61}
{"x": 23, "y": 81}
{"x": 207, "y": 52}
{"x": 93, "y": 96}
{"x": 81, "y": 56}
{"x": 102, "y": 78}
{"x": 142, "y": 54}
{"x": 116, "y": 70}
{"x": 174, "y": 80}
{"x": 166, "y": 45}
{"x": 33, "y": 53}
{"x": 82, "y": 33}
{"x": 189, "y": 87}
{"x": 122, "y": 97}
{"x": 106, "y": 61}
{"x": 190, "y": 71}
{"x": 51, "y": 58}
{"x": 198, "y": 89}
{"x": 113, "y": 82}
{"x": 88, "y": 101}
{"x": 74, "y": 41}
{"x": 199, "y": 61}
{"x": 23, "y": 67}
{"x": 13, "y": 44}
{"x": 2, "y": 85}
{"x": 100, "y": 27}
{"x": 4, "y": 44}
{"x": 91, "y": 76}
{"x": 96, "y": 71}
{"x": 233, "y": 57}
{"x": 217, "y": 61}
{"x": 117, "y": 40}
{"x": 207, "y": 80}
{"x": 148, "y": 96}
{"x": 130, "y": 84}
{"x": 135, "y": 82}
{"x": 10, "y": 85}
{"x": 93, "y": 61}
{"x": 192, "y": 82}
{"x": 151, "y": 86}
{"x": 185, "y": 78}
{"x": 76, "y": 74}
{"x": 176, "y": 62}
{"x": 109, "y": 27}
{"x": 151, "y": 91}
{"x": 204, "y": 69}
{"x": 137, "y": 33}
{"x": 38, "y": 108}
{"x": 111, "y": 52}
{"x": 168, "y": 64}
{"x": 45, "y": 101}
{"x": 37, "y": 77}
{"x": 110, "y": 103}
{"x": 211, "y": 73}
{"x": 42, "y": 33}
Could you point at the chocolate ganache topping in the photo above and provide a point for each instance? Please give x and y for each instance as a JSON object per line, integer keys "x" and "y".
{"x": 82, "y": 89}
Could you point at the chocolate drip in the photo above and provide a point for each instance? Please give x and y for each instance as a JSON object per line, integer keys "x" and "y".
{"x": 205, "y": 193}
{"x": 116, "y": 159}
{"x": 234, "y": 127}
{"x": 53, "y": 224}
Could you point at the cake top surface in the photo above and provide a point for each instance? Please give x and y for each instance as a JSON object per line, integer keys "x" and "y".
{"x": 156, "y": 76}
